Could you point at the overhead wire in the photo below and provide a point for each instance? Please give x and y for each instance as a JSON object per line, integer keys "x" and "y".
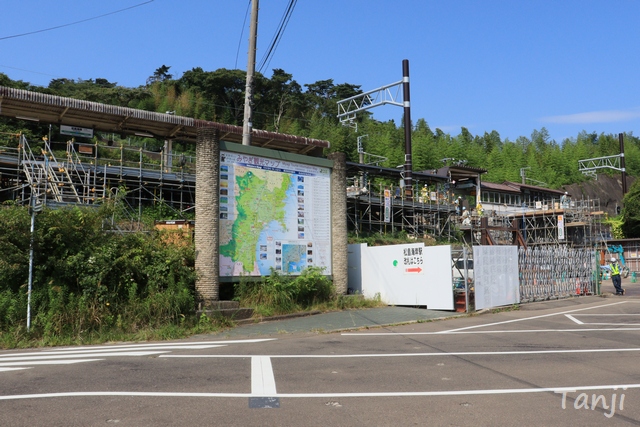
{"x": 244, "y": 24}
{"x": 266, "y": 59}
{"x": 76, "y": 22}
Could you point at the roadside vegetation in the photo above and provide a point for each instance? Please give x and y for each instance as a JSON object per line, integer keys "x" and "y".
{"x": 93, "y": 283}
{"x": 279, "y": 294}
{"x": 309, "y": 109}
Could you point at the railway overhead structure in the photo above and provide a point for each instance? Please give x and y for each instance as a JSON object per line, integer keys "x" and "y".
{"x": 68, "y": 172}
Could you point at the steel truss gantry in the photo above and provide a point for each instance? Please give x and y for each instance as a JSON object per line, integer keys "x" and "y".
{"x": 590, "y": 167}
{"x": 390, "y": 94}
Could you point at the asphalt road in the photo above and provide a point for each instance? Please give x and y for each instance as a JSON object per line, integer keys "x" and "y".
{"x": 569, "y": 363}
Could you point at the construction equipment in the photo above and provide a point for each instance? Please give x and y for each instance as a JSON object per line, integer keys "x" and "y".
{"x": 618, "y": 251}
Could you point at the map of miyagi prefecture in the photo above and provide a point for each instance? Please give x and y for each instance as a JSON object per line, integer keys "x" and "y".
{"x": 260, "y": 199}
{"x": 294, "y": 258}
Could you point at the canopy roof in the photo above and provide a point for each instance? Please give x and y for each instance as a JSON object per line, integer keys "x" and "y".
{"x": 35, "y": 106}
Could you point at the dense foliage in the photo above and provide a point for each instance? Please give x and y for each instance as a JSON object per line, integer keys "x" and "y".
{"x": 88, "y": 281}
{"x": 283, "y": 105}
{"x": 631, "y": 213}
{"x": 92, "y": 283}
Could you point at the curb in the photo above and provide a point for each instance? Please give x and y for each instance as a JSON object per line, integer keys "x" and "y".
{"x": 259, "y": 320}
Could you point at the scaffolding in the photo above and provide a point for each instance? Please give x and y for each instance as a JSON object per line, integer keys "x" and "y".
{"x": 69, "y": 173}
{"x": 385, "y": 210}
{"x": 380, "y": 208}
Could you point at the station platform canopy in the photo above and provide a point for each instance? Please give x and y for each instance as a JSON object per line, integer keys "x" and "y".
{"x": 52, "y": 109}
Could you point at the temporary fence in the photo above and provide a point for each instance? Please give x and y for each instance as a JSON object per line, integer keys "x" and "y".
{"x": 556, "y": 272}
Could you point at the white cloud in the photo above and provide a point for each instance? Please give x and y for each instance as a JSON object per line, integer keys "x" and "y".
{"x": 610, "y": 116}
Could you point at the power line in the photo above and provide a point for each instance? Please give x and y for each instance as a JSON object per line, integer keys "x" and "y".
{"x": 76, "y": 22}
{"x": 244, "y": 24}
{"x": 276, "y": 38}
{"x": 29, "y": 71}
{"x": 278, "y": 35}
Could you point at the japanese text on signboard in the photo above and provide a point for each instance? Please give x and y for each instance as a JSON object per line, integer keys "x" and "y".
{"x": 413, "y": 256}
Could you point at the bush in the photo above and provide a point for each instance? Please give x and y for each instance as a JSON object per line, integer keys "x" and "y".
{"x": 280, "y": 294}
{"x": 89, "y": 282}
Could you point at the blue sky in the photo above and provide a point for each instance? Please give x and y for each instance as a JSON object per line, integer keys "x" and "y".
{"x": 510, "y": 66}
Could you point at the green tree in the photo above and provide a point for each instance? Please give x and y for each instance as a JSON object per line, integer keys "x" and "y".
{"x": 631, "y": 212}
{"x": 161, "y": 74}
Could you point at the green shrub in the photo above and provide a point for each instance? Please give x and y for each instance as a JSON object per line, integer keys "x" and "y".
{"x": 279, "y": 293}
{"x": 90, "y": 283}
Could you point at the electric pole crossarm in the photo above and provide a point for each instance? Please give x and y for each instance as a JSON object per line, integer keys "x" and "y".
{"x": 389, "y": 94}
{"x": 611, "y": 162}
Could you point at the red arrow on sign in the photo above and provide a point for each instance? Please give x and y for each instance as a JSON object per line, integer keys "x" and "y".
{"x": 414, "y": 270}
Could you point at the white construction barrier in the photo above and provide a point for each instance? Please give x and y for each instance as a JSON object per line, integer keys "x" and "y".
{"x": 409, "y": 275}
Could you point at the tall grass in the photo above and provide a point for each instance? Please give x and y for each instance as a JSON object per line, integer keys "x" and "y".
{"x": 280, "y": 293}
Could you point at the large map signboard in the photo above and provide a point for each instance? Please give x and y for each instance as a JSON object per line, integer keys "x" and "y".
{"x": 274, "y": 214}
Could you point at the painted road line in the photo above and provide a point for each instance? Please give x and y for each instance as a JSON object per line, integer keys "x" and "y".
{"x": 506, "y": 331}
{"x": 69, "y": 356}
{"x": 176, "y": 345}
{"x": 609, "y": 314}
{"x": 346, "y": 356}
{"x": 48, "y": 362}
{"x": 611, "y": 324}
{"x": 573, "y": 319}
{"x": 472, "y": 392}
{"x": 529, "y": 318}
{"x": 102, "y": 349}
{"x": 11, "y": 369}
{"x": 110, "y": 350}
{"x": 263, "y": 383}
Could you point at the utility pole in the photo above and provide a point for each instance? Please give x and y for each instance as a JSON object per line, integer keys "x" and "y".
{"x": 408, "y": 166}
{"x": 251, "y": 65}
{"x": 622, "y": 166}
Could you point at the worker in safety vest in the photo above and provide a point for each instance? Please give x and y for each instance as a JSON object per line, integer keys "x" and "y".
{"x": 615, "y": 276}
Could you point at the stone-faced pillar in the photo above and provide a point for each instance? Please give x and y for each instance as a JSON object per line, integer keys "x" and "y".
{"x": 339, "y": 221}
{"x": 207, "y": 240}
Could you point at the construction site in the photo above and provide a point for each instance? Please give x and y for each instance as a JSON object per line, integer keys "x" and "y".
{"x": 559, "y": 235}
{"x": 46, "y": 173}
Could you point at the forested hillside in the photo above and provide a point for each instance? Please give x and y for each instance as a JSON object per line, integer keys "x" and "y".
{"x": 283, "y": 105}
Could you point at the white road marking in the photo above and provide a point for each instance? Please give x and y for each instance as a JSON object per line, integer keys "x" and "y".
{"x": 173, "y": 345}
{"x": 49, "y": 362}
{"x": 12, "y": 369}
{"x": 612, "y": 324}
{"x": 609, "y": 314}
{"x": 263, "y": 382}
{"x": 59, "y": 356}
{"x": 603, "y": 315}
{"x": 346, "y": 356}
{"x": 64, "y": 356}
{"x": 573, "y": 319}
{"x": 574, "y": 389}
{"x": 507, "y": 331}
{"x": 529, "y": 318}
{"x": 109, "y": 350}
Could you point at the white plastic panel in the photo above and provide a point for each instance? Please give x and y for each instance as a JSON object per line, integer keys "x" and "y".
{"x": 495, "y": 276}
